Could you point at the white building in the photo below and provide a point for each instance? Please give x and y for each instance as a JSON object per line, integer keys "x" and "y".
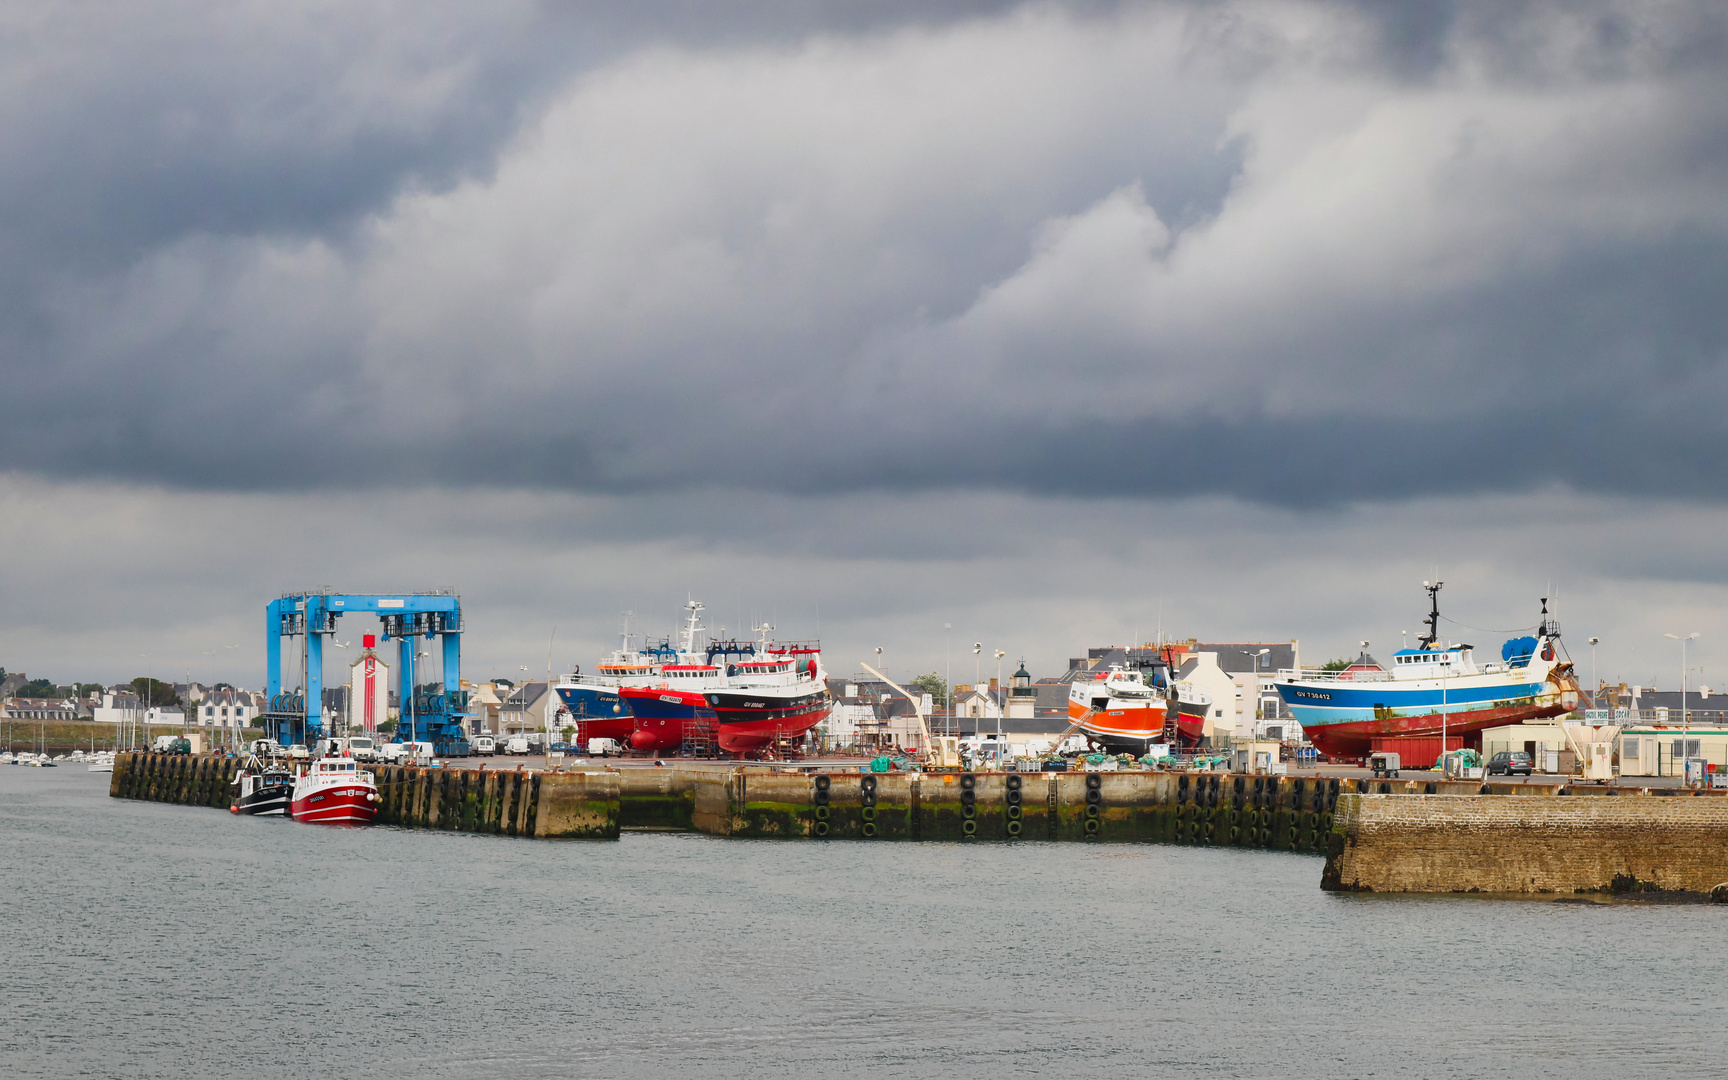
{"x": 118, "y": 709}
{"x": 225, "y": 709}
{"x": 1224, "y": 719}
{"x": 977, "y": 703}
{"x": 165, "y": 715}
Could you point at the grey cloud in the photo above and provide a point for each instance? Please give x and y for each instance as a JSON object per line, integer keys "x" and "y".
{"x": 816, "y": 249}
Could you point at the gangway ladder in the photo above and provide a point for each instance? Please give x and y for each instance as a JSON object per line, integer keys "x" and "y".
{"x": 698, "y": 739}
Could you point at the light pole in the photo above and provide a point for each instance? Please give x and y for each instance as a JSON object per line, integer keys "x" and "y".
{"x": 522, "y": 690}
{"x": 948, "y": 659}
{"x": 1001, "y": 706}
{"x": 1684, "y": 727}
{"x": 878, "y": 734}
{"x": 347, "y": 691}
{"x": 546, "y": 709}
{"x": 1594, "y": 685}
{"x": 1254, "y": 731}
{"x": 1445, "y": 669}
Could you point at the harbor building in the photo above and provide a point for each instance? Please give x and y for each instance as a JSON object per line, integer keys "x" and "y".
{"x": 226, "y": 709}
{"x": 1663, "y": 749}
{"x": 118, "y": 708}
{"x": 527, "y": 709}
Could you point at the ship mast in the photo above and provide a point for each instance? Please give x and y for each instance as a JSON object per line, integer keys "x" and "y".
{"x": 1433, "y": 619}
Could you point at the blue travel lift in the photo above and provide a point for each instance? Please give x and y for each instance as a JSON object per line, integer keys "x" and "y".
{"x": 407, "y": 617}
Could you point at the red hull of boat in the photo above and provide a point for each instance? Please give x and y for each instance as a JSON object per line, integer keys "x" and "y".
{"x": 336, "y": 805}
{"x": 1355, "y": 739}
{"x": 618, "y": 729}
{"x": 744, "y": 734}
{"x": 1136, "y": 724}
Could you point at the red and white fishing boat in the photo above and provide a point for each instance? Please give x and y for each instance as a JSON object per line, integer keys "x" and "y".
{"x": 777, "y": 694}
{"x": 335, "y": 791}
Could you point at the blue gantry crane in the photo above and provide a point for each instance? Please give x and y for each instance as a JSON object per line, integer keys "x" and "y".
{"x": 437, "y": 718}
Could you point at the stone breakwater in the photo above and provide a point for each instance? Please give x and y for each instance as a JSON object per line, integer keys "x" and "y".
{"x": 1280, "y": 813}
{"x": 1550, "y": 843}
{"x": 1376, "y": 835}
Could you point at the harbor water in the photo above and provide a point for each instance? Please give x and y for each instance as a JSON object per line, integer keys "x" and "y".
{"x": 146, "y": 940}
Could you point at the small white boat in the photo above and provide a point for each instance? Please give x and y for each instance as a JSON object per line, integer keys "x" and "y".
{"x": 101, "y": 763}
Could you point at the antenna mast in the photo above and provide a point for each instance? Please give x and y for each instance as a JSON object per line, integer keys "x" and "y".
{"x": 1433, "y": 620}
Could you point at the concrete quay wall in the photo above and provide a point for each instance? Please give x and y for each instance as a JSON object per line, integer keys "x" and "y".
{"x": 511, "y": 803}
{"x": 1280, "y": 813}
{"x": 1553, "y": 843}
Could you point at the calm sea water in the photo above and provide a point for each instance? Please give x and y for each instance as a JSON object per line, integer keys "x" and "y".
{"x": 144, "y": 941}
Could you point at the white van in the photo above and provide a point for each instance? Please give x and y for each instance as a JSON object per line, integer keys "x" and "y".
{"x": 516, "y": 744}
{"x": 604, "y": 748}
{"x": 483, "y": 745}
{"x": 363, "y": 749}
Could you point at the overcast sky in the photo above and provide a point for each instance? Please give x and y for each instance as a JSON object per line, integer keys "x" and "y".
{"x": 1058, "y": 323}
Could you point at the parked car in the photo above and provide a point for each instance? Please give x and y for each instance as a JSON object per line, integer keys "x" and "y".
{"x": 483, "y": 745}
{"x": 516, "y": 744}
{"x": 1509, "y": 762}
{"x": 393, "y": 753}
{"x": 559, "y": 748}
{"x": 604, "y": 748}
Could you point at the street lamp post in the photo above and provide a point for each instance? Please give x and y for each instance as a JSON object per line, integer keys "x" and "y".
{"x": 1594, "y": 685}
{"x": 1001, "y": 706}
{"x": 948, "y": 659}
{"x": 1254, "y": 730}
{"x": 1685, "y": 728}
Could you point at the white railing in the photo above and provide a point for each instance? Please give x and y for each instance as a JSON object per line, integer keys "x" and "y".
{"x": 1322, "y": 675}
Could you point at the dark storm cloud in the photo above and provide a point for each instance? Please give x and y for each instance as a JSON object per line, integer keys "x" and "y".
{"x": 1298, "y": 253}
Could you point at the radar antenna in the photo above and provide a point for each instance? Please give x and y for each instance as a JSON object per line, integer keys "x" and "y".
{"x": 1433, "y": 620}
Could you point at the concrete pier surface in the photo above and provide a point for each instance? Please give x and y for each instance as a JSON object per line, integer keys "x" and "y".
{"x": 1378, "y": 835}
{"x": 1551, "y": 843}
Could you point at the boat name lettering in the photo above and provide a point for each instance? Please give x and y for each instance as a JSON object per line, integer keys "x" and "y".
{"x": 1318, "y": 695}
{"x": 671, "y": 698}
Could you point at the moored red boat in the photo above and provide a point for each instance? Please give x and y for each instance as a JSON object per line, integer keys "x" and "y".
{"x": 335, "y": 791}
